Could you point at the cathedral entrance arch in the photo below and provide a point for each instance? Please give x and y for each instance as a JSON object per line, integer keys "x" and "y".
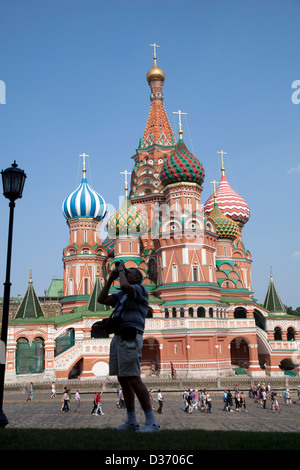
{"x": 239, "y": 352}
{"x": 150, "y": 363}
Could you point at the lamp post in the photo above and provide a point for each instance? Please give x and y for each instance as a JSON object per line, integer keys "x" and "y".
{"x": 13, "y": 180}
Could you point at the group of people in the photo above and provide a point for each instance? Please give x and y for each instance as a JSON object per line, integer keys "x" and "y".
{"x": 194, "y": 400}
{"x": 66, "y": 399}
{"x": 238, "y": 397}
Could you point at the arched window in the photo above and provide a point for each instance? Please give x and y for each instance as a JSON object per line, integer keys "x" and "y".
{"x": 181, "y": 312}
{"x": 191, "y": 312}
{"x": 200, "y": 312}
{"x": 277, "y": 333}
{"x": 166, "y": 313}
{"x": 30, "y": 356}
{"x": 291, "y": 334}
{"x": 240, "y": 312}
{"x": 174, "y": 312}
{"x": 195, "y": 274}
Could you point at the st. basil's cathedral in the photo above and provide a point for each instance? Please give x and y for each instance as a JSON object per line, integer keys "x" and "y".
{"x": 203, "y": 319}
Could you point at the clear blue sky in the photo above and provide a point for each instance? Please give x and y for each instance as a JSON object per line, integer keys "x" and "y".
{"x": 75, "y": 76}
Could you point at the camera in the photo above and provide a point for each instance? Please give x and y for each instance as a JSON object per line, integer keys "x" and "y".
{"x": 117, "y": 264}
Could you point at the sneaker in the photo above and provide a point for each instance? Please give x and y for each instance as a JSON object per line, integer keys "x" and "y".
{"x": 128, "y": 427}
{"x": 151, "y": 428}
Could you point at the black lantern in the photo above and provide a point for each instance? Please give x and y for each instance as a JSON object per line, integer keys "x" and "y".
{"x": 13, "y": 180}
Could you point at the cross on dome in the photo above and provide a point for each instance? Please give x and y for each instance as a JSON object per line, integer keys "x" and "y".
{"x": 83, "y": 155}
{"x": 125, "y": 172}
{"x": 214, "y": 182}
{"x": 180, "y": 132}
{"x": 222, "y": 159}
{"x": 154, "y": 49}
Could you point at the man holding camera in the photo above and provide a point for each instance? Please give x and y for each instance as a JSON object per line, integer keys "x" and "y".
{"x": 126, "y": 346}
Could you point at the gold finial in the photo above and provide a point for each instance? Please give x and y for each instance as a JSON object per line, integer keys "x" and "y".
{"x": 125, "y": 172}
{"x": 155, "y": 73}
{"x": 180, "y": 132}
{"x": 271, "y": 274}
{"x": 83, "y": 155}
{"x": 222, "y": 159}
{"x": 30, "y": 276}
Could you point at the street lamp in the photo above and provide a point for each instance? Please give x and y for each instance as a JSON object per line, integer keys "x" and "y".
{"x": 13, "y": 180}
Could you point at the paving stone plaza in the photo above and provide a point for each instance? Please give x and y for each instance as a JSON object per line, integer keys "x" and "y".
{"x": 44, "y": 412}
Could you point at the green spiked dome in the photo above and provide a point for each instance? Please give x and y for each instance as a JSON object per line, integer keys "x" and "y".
{"x": 182, "y": 166}
{"x": 30, "y": 306}
{"x": 225, "y": 227}
{"x": 126, "y": 221}
{"x": 273, "y": 302}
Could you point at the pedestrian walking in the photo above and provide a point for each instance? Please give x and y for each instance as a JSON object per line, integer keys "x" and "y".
{"x": 195, "y": 400}
{"x": 160, "y": 400}
{"x": 190, "y": 402}
{"x": 121, "y": 400}
{"x": 151, "y": 398}
{"x": 98, "y": 410}
{"x": 30, "y": 393}
{"x": 53, "y": 390}
{"x": 225, "y": 400}
{"x": 94, "y": 403}
{"x": 264, "y": 398}
{"x": 66, "y": 402}
{"x": 77, "y": 401}
{"x": 237, "y": 401}
{"x": 275, "y": 404}
{"x": 208, "y": 403}
{"x": 229, "y": 401}
{"x": 243, "y": 402}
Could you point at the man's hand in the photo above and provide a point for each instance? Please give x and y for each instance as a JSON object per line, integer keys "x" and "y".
{"x": 121, "y": 266}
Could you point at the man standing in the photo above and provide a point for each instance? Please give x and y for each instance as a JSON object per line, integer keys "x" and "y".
{"x": 126, "y": 346}
{"x": 160, "y": 400}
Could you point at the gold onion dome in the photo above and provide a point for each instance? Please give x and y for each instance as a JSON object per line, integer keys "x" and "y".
{"x": 126, "y": 221}
{"x": 155, "y": 73}
{"x": 225, "y": 227}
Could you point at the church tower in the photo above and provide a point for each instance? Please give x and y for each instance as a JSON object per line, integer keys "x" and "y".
{"x": 84, "y": 209}
{"x": 157, "y": 143}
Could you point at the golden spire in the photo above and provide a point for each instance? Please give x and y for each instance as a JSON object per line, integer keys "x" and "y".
{"x": 155, "y": 73}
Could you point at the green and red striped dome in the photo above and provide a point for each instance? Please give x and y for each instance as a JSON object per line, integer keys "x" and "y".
{"x": 182, "y": 166}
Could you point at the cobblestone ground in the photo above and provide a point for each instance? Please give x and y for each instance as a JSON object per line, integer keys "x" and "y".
{"x": 44, "y": 412}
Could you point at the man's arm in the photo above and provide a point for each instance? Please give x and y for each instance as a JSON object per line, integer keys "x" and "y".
{"x": 104, "y": 297}
{"x": 124, "y": 284}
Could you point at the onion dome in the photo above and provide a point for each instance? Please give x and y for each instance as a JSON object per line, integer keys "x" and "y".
{"x": 126, "y": 221}
{"x": 225, "y": 227}
{"x": 155, "y": 73}
{"x": 182, "y": 166}
{"x": 84, "y": 202}
{"x": 231, "y": 203}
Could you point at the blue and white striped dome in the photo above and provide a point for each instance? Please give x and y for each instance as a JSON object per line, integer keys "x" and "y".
{"x": 84, "y": 202}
